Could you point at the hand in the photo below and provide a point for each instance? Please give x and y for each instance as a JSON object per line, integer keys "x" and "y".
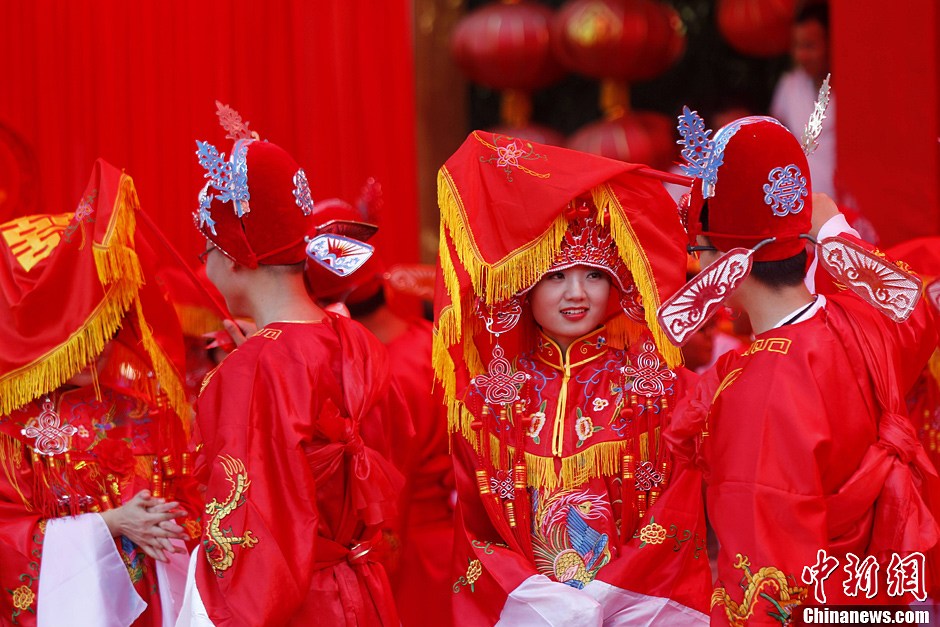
{"x": 240, "y": 330}
{"x": 148, "y": 522}
{"x": 824, "y": 209}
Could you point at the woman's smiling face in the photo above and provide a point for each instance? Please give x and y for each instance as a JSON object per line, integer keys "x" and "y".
{"x": 570, "y": 303}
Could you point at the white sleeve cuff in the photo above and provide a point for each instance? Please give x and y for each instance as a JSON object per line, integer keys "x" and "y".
{"x": 541, "y": 602}
{"x": 82, "y": 579}
{"x": 193, "y": 612}
{"x": 835, "y": 225}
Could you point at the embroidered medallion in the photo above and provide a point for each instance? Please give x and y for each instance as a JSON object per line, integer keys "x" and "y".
{"x": 502, "y": 484}
{"x": 786, "y": 190}
{"x": 51, "y": 434}
{"x": 566, "y": 541}
{"x": 219, "y": 543}
{"x": 650, "y": 376}
{"x": 647, "y": 477}
{"x": 501, "y": 383}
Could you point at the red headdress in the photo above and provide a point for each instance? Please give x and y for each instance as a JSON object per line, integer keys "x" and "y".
{"x": 70, "y": 282}
{"x": 510, "y": 211}
{"x": 257, "y": 207}
{"x": 754, "y": 182}
{"x": 367, "y": 281}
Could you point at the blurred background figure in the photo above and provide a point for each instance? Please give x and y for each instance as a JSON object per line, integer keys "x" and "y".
{"x": 796, "y": 91}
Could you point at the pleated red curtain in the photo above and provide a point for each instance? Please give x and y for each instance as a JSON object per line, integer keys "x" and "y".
{"x": 332, "y": 81}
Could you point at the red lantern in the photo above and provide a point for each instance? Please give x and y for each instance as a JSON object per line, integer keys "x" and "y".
{"x": 627, "y": 40}
{"x": 637, "y": 138}
{"x": 533, "y": 133}
{"x": 506, "y": 46}
{"x": 759, "y": 28}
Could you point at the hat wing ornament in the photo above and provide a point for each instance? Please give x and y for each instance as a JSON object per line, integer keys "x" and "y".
{"x": 339, "y": 254}
{"x": 814, "y": 126}
{"x": 701, "y": 298}
{"x": 881, "y": 284}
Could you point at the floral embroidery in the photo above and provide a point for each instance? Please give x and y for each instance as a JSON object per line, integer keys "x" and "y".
{"x": 600, "y": 404}
{"x": 83, "y": 213}
{"x": 486, "y": 547}
{"x": 584, "y": 427}
{"x": 474, "y": 570}
{"x": 538, "y": 422}
{"x": 650, "y": 377}
{"x": 23, "y": 598}
{"x": 653, "y": 533}
{"x": 509, "y": 151}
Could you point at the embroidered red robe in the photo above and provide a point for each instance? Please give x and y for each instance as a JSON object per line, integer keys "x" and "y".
{"x": 117, "y": 445}
{"x": 803, "y": 450}
{"x": 298, "y": 483}
{"x": 572, "y": 482}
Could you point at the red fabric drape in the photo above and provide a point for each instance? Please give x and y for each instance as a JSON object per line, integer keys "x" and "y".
{"x": 135, "y": 83}
{"x": 885, "y": 63}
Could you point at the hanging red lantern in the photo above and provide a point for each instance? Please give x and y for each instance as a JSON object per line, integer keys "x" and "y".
{"x": 627, "y": 40}
{"x": 533, "y": 133}
{"x": 759, "y": 28}
{"x": 506, "y": 46}
{"x": 624, "y": 138}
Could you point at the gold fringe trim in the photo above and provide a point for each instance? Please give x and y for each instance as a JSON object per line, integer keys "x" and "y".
{"x": 11, "y": 458}
{"x": 81, "y": 348}
{"x": 121, "y": 277}
{"x": 170, "y": 381}
{"x": 518, "y": 270}
{"x": 632, "y": 254}
{"x": 933, "y": 365}
{"x": 600, "y": 460}
{"x": 197, "y": 321}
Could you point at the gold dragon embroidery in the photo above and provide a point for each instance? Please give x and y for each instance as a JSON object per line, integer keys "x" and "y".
{"x": 218, "y": 543}
{"x": 760, "y": 585}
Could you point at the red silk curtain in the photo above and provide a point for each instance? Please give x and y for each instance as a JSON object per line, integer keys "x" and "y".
{"x": 886, "y": 63}
{"x": 135, "y": 83}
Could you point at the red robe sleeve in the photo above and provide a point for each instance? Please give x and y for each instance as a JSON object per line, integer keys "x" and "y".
{"x": 21, "y": 538}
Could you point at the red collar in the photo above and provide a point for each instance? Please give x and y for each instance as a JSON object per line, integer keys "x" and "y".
{"x": 584, "y": 349}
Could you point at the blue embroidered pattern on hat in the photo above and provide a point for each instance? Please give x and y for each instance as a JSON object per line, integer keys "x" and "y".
{"x": 786, "y": 190}
{"x": 302, "y": 192}
{"x": 229, "y": 177}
